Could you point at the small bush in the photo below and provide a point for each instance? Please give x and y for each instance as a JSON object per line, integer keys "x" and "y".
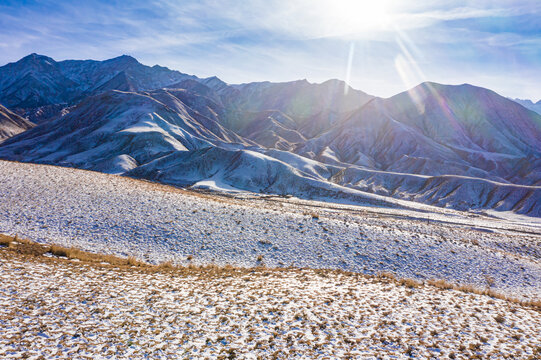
{"x": 5, "y": 240}
{"x": 410, "y": 283}
{"x": 441, "y": 284}
{"x": 166, "y": 265}
{"x": 132, "y": 261}
{"x": 59, "y": 251}
{"x": 386, "y": 275}
{"x": 313, "y": 215}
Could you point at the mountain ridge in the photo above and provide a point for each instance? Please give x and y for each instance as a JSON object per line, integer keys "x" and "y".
{"x": 460, "y": 146}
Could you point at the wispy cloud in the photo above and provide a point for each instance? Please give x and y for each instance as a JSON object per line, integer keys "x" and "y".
{"x": 444, "y": 40}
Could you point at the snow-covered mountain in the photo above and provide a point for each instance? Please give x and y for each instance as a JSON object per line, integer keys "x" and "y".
{"x": 116, "y": 131}
{"x": 38, "y": 80}
{"x": 438, "y": 129}
{"x": 313, "y": 107}
{"x": 457, "y": 146}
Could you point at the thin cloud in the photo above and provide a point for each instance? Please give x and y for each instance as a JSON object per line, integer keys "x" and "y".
{"x": 275, "y": 40}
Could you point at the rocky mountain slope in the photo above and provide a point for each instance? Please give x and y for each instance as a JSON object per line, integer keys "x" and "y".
{"x": 12, "y": 124}
{"x": 438, "y": 129}
{"x": 457, "y": 146}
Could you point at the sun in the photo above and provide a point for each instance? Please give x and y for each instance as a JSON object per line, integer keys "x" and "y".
{"x": 354, "y": 16}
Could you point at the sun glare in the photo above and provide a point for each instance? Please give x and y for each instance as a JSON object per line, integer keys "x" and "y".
{"x": 358, "y": 16}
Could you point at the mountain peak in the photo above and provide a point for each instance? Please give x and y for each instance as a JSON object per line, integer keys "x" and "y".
{"x": 36, "y": 58}
{"x": 465, "y": 88}
{"x": 525, "y": 101}
{"x": 125, "y": 59}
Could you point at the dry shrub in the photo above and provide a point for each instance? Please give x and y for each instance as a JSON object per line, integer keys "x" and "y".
{"x": 313, "y": 215}
{"x": 132, "y": 261}
{"x": 410, "y": 283}
{"x": 440, "y": 284}
{"x": 59, "y": 251}
{"x": 166, "y": 265}
{"x": 5, "y": 240}
{"x": 386, "y": 275}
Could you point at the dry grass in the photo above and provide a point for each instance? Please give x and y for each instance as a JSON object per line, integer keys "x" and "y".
{"x": 61, "y": 251}
{"x": 445, "y": 285}
{"x": 386, "y": 275}
{"x": 313, "y": 215}
{"x": 27, "y": 247}
{"x": 499, "y": 319}
{"x": 440, "y": 284}
{"x": 410, "y": 283}
{"x": 5, "y": 240}
{"x": 167, "y": 265}
{"x": 24, "y": 246}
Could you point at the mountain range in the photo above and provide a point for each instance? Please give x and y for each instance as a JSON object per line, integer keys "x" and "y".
{"x": 529, "y": 104}
{"x": 463, "y": 147}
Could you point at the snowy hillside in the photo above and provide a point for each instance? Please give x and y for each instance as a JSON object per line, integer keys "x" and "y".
{"x": 118, "y": 215}
{"x": 57, "y": 308}
{"x": 314, "y": 108}
{"x": 116, "y": 131}
{"x": 440, "y": 130}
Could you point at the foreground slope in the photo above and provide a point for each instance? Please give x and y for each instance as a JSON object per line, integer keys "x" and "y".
{"x": 122, "y": 216}
{"x": 58, "y": 308}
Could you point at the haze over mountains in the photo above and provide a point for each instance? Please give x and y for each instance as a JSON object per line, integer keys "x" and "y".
{"x": 463, "y": 146}
{"x": 529, "y": 104}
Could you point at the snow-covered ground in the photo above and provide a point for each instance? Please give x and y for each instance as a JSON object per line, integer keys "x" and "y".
{"x": 51, "y": 308}
{"x": 118, "y": 215}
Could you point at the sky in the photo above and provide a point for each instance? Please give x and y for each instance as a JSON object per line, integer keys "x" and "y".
{"x": 382, "y": 47}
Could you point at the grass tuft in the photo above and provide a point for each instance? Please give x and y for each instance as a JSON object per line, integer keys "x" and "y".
{"x": 5, "y": 240}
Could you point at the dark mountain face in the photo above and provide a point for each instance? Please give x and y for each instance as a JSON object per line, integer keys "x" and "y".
{"x": 33, "y": 81}
{"x": 460, "y": 146}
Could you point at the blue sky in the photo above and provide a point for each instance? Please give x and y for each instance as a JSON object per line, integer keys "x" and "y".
{"x": 381, "y": 47}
